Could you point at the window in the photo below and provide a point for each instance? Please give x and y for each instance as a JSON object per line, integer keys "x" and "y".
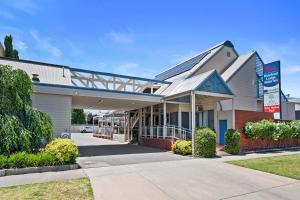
{"x": 210, "y": 121}
{"x": 228, "y": 54}
{"x": 185, "y": 119}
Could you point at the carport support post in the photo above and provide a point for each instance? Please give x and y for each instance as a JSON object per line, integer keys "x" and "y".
{"x": 151, "y": 121}
{"x": 193, "y": 120}
{"x": 140, "y": 124}
{"x": 165, "y": 120}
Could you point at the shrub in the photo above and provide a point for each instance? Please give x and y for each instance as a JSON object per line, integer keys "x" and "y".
{"x": 3, "y": 162}
{"x": 18, "y": 160}
{"x": 295, "y": 126}
{"x": 260, "y": 129}
{"x": 23, "y": 159}
{"x": 232, "y": 141}
{"x": 182, "y": 147}
{"x": 205, "y": 143}
{"x": 282, "y": 131}
{"x": 65, "y": 150}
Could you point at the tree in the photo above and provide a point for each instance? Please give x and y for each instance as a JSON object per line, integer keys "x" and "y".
{"x": 78, "y": 116}
{"x": 22, "y": 127}
{"x": 9, "y": 50}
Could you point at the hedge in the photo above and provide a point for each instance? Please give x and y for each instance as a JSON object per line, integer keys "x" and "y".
{"x": 23, "y": 159}
{"x": 205, "y": 143}
{"x": 182, "y": 147}
{"x": 232, "y": 141}
{"x": 272, "y": 130}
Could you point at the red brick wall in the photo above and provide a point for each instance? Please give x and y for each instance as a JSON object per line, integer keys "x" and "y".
{"x": 242, "y": 117}
{"x": 165, "y": 144}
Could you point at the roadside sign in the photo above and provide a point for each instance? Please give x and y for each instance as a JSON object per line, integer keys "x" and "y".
{"x": 272, "y": 90}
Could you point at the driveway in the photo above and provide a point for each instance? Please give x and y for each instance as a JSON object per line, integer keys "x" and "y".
{"x": 189, "y": 179}
{"x": 98, "y": 152}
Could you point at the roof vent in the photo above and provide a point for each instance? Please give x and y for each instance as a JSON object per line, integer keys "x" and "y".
{"x": 35, "y": 78}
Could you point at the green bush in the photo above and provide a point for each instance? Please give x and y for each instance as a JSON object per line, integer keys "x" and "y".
{"x": 295, "y": 126}
{"x": 65, "y": 150}
{"x": 22, "y": 128}
{"x": 283, "y": 131}
{"x": 182, "y": 147}
{"x": 205, "y": 143}
{"x": 232, "y": 142}
{"x": 3, "y": 162}
{"x": 23, "y": 159}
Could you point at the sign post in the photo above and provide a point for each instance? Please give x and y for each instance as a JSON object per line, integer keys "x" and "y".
{"x": 272, "y": 87}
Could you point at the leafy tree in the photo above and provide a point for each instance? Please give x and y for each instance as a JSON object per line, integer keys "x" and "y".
{"x": 9, "y": 50}
{"x": 78, "y": 116}
{"x": 22, "y": 128}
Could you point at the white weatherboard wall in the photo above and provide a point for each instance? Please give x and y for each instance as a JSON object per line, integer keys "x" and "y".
{"x": 58, "y": 107}
{"x": 243, "y": 85}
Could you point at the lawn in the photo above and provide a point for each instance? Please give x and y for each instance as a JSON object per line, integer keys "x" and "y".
{"x": 69, "y": 189}
{"x": 288, "y": 166}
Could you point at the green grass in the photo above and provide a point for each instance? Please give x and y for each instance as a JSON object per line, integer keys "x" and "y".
{"x": 288, "y": 166}
{"x": 62, "y": 190}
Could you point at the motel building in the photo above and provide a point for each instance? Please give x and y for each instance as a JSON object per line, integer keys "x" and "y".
{"x": 218, "y": 88}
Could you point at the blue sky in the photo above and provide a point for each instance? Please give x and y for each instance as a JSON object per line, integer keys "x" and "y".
{"x": 144, "y": 37}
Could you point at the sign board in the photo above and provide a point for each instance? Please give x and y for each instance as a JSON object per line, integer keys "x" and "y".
{"x": 271, "y": 80}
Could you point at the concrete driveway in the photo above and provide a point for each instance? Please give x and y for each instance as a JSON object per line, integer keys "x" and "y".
{"x": 97, "y": 152}
{"x": 189, "y": 179}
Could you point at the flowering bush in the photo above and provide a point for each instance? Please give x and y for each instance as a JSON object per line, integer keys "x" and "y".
{"x": 65, "y": 150}
{"x": 182, "y": 147}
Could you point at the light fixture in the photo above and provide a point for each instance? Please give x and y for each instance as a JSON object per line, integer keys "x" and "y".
{"x": 99, "y": 101}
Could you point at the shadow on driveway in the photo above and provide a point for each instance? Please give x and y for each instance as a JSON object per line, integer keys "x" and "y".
{"x": 115, "y": 149}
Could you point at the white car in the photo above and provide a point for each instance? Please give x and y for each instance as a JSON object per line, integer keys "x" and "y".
{"x": 86, "y": 129}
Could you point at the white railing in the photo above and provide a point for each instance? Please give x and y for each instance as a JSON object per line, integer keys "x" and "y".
{"x": 172, "y": 132}
{"x": 108, "y": 130}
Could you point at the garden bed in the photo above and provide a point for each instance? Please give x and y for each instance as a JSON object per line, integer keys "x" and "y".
{"x": 28, "y": 170}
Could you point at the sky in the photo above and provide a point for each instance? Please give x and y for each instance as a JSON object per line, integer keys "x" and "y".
{"x": 142, "y": 38}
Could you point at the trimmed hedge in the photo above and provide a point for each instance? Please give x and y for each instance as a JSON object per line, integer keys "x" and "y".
{"x": 205, "y": 143}
{"x": 23, "y": 159}
{"x": 65, "y": 150}
{"x": 272, "y": 130}
{"x": 182, "y": 147}
{"x": 232, "y": 142}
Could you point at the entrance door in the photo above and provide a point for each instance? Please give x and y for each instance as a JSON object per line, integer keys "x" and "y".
{"x": 222, "y": 130}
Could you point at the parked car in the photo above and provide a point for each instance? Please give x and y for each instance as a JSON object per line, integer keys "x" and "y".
{"x": 86, "y": 129}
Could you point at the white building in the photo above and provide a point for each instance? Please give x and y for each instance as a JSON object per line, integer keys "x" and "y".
{"x": 205, "y": 90}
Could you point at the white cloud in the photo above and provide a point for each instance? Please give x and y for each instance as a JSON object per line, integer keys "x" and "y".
{"x": 45, "y": 44}
{"x": 27, "y": 6}
{"x": 20, "y": 45}
{"x": 287, "y": 53}
{"x": 121, "y": 37}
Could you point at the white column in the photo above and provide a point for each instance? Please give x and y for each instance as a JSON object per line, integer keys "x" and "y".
{"x": 151, "y": 122}
{"x": 233, "y": 115}
{"x": 179, "y": 116}
{"x": 193, "y": 120}
{"x": 165, "y": 120}
{"x": 140, "y": 123}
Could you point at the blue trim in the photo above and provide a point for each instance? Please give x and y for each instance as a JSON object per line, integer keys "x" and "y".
{"x": 216, "y": 77}
{"x": 118, "y": 75}
{"x": 94, "y": 89}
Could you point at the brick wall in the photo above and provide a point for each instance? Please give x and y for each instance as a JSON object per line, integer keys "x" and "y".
{"x": 242, "y": 117}
{"x": 165, "y": 144}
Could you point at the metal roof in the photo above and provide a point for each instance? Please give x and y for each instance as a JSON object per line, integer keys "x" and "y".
{"x": 190, "y": 63}
{"x": 186, "y": 85}
{"x": 236, "y": 65}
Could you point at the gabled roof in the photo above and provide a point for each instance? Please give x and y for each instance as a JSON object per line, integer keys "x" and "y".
{"x": 190, "y": 63}
{"x": 236, "y": 66}
{"x": 209, "y": 80}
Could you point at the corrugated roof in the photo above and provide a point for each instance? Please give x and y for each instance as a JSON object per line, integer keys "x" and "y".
{"x": 185, "y": 85}
{"x": 49, "y": 74}
{"x": 236, "y": 65}
{"x": 190, "y": 63}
